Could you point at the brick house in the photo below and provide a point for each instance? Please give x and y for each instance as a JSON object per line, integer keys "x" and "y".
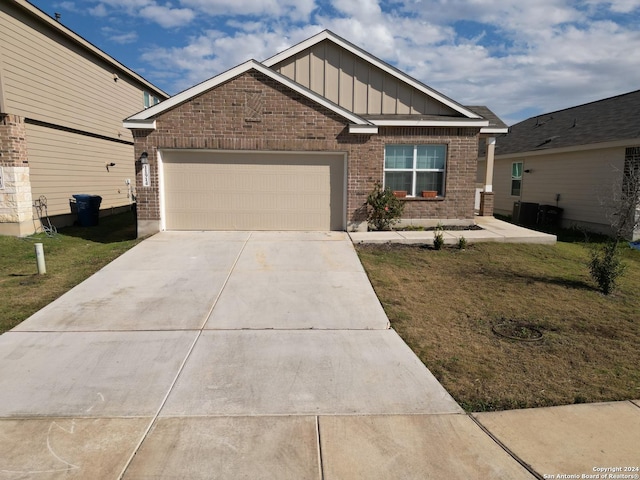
{"x": 298, "y": 141}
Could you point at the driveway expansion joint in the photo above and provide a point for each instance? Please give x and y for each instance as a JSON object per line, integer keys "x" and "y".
{"x": 509, "y": 452}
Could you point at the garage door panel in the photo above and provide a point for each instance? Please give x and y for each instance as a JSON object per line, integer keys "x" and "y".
{"x": 213, "y": 191}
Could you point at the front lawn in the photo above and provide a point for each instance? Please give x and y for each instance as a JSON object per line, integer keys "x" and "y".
{"x": 457, "y": 309}
{"x": 72, "y": 255}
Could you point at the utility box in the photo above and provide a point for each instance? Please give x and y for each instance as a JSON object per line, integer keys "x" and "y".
{"x": 550, "y": 215}
{"x": 525, "y": 213}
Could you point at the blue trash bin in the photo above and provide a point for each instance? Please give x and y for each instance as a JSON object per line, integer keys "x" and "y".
{"x": 88, "y": 207}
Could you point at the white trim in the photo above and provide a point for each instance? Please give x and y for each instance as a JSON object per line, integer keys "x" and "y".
{"x": 414, "y": 170}
{"x": 140, "y": 124}
{"x": 345, "y": 191}
{"x": 230, "y": 74}
{"x": 363, "y": 129}
{"x": 161, "y": 192}
{"x": 488, "y": 188}
{"x": 328, "y": 35}
{"x": 494, "y": 130}
{"x": 430, "y": 123}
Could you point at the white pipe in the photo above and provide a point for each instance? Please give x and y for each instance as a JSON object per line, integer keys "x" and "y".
{"x": 42, "y": 268}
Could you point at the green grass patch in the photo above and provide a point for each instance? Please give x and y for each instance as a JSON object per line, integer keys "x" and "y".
{"x": 446, "y": 305}
{"x": 71, "y": 256}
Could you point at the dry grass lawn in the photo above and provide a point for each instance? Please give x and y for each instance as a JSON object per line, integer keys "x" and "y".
{"x": 72, "y": 255}
{"x": 445, "y": 305}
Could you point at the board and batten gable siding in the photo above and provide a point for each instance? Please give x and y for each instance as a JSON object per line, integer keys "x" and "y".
{"x": 48, "y": 78}
{"x": 64, "y": 163}
{"x": 355, "y": 84}
{"x": 584, "y": 179}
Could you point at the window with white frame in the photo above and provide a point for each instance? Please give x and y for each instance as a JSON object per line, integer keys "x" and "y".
{"x": 150, "y": 100}
{"x": 516, "y": 179}
{"x": 415, "y": 168}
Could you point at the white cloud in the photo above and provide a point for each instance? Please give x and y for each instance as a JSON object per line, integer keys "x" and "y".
{"x": 618, "y": 6}
{"x": 512, "y": 55}
{"x": 124, "y": 38}
{"x": 360, "y": 9}
{"x": 566, "y": 67}
{"x": 67, "y": 6}
{"x": 127, "y": 4}
{"x": 167, "y": 17}
{"x": 297, "y": 10}
{"x": 625, "y": 6}
{"x": 99, "y": 10}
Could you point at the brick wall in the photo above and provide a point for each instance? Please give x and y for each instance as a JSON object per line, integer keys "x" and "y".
{"x": 13, "y": 145}
{"x": 254, "y": 112}
{"x": 16, "y": 211}
{"x": 486, "y": 204}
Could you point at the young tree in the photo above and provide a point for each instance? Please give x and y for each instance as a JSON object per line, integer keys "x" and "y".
{"x": 605, "y": 264}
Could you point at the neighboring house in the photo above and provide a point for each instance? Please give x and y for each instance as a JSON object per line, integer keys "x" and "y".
{"x": 573, "y": 159}
{"x": 298, "y": 141}
{"x": 62, "y": 102}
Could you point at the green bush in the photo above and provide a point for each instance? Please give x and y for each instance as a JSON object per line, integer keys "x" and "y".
{"x": 438, "y": 237}
{"x": 606, "y": 267}
{"x": 384, "y": 209}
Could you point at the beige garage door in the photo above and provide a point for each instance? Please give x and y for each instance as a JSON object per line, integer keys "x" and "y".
{"x": 253, "y": 191}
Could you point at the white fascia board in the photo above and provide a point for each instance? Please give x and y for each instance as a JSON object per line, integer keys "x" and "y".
{"x": 431, "y": 123}
{"x": 140, "y": 124}
{"x": 326, "y": 34}
{"x": 363, "y": 129}
{"x": 495, "y": 130}
{"x": 234, "y": 72}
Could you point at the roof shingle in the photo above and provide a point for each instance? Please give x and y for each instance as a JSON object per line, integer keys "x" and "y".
{"x": 611, "y": 119}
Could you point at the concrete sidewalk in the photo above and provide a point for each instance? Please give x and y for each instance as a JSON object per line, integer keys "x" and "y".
{"x": 492, "y": 230}
{"x": 258, "y": 355}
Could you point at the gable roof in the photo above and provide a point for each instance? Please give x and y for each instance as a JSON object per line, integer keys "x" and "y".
{"x": 146, "y": 118}
{"x": 86, "y": 45}
{"x": 332, "y": 37}
{"x": 608, "y": 120}
{"x": 474, "y": 117}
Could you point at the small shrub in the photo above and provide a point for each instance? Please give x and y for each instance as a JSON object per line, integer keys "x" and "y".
{"x": 462, "y": 243}
{"x": 606, "y": 267}
{"x": 438, "y": 237}
{"x": 384, "y": 209}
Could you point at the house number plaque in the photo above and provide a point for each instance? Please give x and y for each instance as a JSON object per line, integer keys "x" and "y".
{"x": 146, "y": 175}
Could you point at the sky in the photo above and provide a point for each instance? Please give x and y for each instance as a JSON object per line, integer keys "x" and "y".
{"x": 520, "y": 58}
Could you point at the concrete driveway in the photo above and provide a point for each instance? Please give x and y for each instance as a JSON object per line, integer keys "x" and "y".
{"x": 229, "y": 355}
